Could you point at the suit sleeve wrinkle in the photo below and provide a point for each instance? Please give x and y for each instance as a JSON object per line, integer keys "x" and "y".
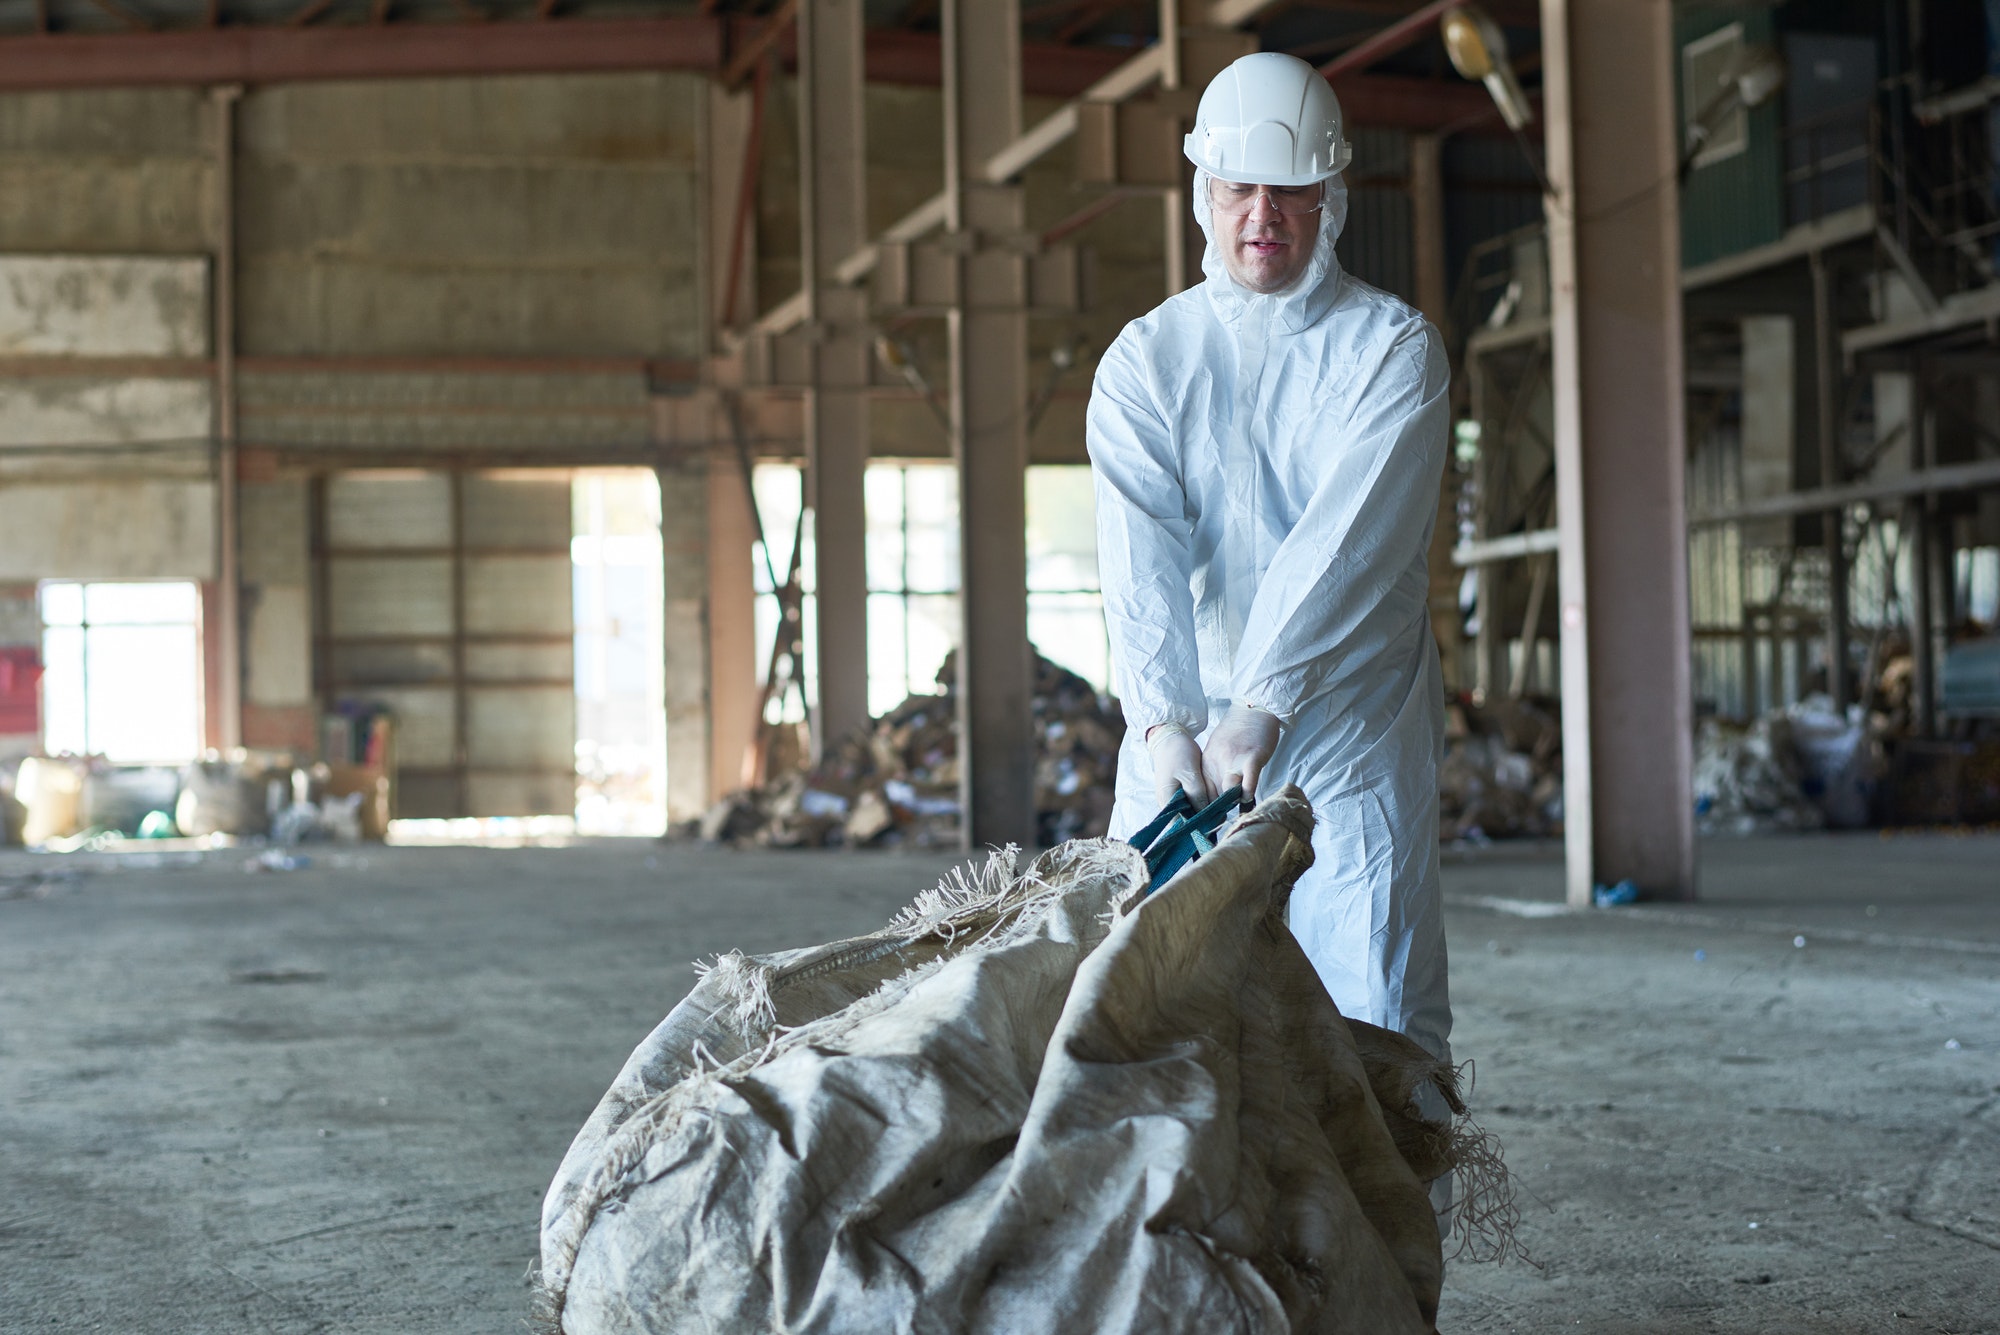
{"x": 1367, "y": 520}
{"x": 1145, "y": 549}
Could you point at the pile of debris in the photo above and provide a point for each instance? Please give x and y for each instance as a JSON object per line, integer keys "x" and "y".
{"x": 896, "y": 781}
{"x": 1746, "y": 779}
{"x": 1501, "y": 776}
{"x": 1805, "y": 767}
{"x": 68, "y": 803}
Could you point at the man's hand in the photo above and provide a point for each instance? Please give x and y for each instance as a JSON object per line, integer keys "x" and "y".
{"x": 1176, "y": 764}
{"x": 1239, "y": 748}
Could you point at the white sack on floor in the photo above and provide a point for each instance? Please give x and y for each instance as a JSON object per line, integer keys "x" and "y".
{"x": 1035, "y": 1103}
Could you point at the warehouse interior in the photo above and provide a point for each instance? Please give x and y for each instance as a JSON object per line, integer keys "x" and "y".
{"x": 501, "y": 500}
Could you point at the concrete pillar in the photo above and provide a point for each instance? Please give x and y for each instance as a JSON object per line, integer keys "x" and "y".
{"x": 732, "y": 635}
{"x": 1826, "y": 380}
{"x": 1433, "y": 299}
{"x": 279, "y": 709}
{"x": 1919, "y": 521}
{"x": 989, "y": 393}
{"x": 686, "y": 599}
{"x": 729, "y": 623}
{"x": 1621, "y": 452}
{"x": 834, "y": 224}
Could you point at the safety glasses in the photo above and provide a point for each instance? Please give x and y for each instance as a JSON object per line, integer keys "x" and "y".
{"x": 1233, "y": 199}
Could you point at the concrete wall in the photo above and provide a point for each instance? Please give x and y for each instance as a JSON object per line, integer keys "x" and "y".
{"x": 107, "y": 530}
{"x": 103, "y": 474}
{"x": 689, "y": 700}
{"x": 535, "y": 215}
{"x": 110, "y": 172}
{"x": 278, "y": 705}
{"x": 472, "y": 267}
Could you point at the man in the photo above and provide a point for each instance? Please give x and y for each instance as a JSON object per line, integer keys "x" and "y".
{"x": 1267, "y": 450}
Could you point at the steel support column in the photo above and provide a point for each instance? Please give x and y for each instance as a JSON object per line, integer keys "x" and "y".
{"x": 1174, "y": 211}
{"x": 1920, "y": 519}
{"x": 732, "y": 152}
{"x": 1826, "y": 373}
{"x": 835, "y": 224}
{"x": 1614, "y": 252}
{"x": 989, "y": 394}
{"x": 228, "y": 728}
{"x": 1433, "y": 299}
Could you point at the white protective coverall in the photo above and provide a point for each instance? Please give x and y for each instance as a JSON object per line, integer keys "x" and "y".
{"x": 1267, "y": 472}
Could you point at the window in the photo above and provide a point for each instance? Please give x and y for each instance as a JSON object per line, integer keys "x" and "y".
{"x": 913, "y": 568}
{"x": 618, "y": 603}
{"x": 779, "y": 491}
{"x": 1065, "y": 608}
{"x": 123, "y": 676}
{"x": 1708, "y": 68}
{"x": 913, "y": 574}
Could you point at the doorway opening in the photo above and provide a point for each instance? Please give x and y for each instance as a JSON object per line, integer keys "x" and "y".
{"x": 616, "y": 559}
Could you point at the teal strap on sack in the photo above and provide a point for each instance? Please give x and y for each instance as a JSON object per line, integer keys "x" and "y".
{"x": 1180, "y": 834}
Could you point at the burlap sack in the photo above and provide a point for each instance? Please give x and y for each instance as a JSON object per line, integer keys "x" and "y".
{"x": 1035, "y": 1103}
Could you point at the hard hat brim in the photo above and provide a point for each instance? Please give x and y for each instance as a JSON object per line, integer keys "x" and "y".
{"x": 1265, "y": 178}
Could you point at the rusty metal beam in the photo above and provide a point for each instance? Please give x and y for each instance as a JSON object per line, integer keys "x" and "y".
{"x": 298, "y": 52}
{"x": 739, "y": 284}
{"x": 290, "y": 54}
{"x": 1405, "y": 32}
{"x": 122, "y": 14}
{"x": 311, "y": 10}
{"x": 1402, "y": 102}
{"x": 744, "y": 62}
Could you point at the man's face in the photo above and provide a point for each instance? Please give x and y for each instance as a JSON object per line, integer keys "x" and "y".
{"x": 1266, "y": 232}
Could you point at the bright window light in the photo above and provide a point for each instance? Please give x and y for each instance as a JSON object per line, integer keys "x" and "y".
{"x": 123, "y": 676}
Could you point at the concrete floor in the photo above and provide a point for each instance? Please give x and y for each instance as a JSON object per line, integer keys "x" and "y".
{"x": 329, "y": 1099}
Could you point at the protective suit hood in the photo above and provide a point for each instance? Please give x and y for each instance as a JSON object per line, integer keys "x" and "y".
{"x": 1291, "y": 309}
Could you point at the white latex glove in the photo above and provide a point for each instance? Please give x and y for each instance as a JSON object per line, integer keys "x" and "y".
{"x": 1239, "y": 748}
{"x": 1176, "y": 764}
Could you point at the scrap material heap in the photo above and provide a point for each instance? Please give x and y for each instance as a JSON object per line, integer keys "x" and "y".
{"x": 896, "y": 781}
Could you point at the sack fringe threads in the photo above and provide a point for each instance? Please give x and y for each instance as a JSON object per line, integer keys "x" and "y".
{"x": 1485, "y": 1214}
{"x": 747, "y": 982}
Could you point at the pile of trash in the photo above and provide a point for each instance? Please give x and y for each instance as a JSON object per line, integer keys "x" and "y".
{"x": 896, "y": 781}
{"x": 1805, "y": 767}
{"x": 1501, "y": 776}
{"x": 69, "y": 803}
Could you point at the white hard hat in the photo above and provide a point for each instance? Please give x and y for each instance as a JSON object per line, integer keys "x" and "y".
{"x": 1269, "y": 119}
